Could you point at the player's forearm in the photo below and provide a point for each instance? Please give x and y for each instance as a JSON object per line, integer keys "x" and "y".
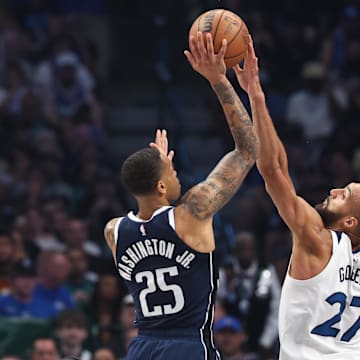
{"x": 272, "y": 154}
{"x": 237, "y": 118}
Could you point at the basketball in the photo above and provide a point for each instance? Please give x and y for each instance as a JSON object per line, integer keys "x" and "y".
{"x": 224, "y": 24}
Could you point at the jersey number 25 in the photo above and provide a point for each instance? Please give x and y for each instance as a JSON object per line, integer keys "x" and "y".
{"x": 156, "y": 281}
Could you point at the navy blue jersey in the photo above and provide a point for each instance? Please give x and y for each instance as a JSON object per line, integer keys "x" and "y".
{"x": 173, "y": 286}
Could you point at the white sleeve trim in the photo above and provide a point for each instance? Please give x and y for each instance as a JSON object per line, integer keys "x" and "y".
{"x": 116, "y": 230}
{"x": 172, "y": 219}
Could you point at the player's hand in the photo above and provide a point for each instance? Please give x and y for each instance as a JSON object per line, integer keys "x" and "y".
{"x": 248, "y": 76}
{"x": 161, "y": 144}
{"x": 203, "y": 59}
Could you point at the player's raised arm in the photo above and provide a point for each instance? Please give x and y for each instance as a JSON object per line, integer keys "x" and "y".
{"x": 205, "y": 199}
{"x": 303, "y": 220}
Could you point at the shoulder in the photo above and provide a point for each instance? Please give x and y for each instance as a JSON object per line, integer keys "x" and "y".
{"x": 110, "y": 231}
{"x": 112, "y": 224}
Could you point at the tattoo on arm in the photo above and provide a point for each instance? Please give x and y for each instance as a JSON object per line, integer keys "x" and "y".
{"x": 237, "y": 118}
{"x": 225, "y": 93}
{"x": 208, "y": 197}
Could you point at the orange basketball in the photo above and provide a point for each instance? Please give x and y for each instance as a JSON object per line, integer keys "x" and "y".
{"x": 224, "y": 24}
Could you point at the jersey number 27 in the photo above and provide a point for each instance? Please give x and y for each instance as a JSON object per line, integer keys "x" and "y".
{"x": 327, "y": 328}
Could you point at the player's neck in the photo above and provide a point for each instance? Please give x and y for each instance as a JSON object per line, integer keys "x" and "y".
{"x": 355, "y": 241}
{"x": 149, "y": 204}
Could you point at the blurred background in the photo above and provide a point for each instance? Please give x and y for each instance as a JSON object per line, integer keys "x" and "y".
{"x": 85, "y": 83}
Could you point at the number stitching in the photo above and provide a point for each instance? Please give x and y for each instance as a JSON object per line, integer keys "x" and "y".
{"x": 350, "y": 333}
{"x": 327, "y": 329}
{"x": 157, "y": 282}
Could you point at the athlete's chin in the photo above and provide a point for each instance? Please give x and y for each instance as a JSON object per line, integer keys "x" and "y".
{"x": 328, "y": 217}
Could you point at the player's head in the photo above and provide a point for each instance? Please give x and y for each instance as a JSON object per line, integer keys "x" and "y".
{"x": 149, "y": 172}
{"x": 341, "y": 209}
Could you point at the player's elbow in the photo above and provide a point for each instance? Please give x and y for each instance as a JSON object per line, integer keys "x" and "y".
{"x": 268, "y": 169}
{"x": 249, "y": 148}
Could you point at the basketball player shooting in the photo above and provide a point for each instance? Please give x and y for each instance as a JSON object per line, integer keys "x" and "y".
{"x": 319, "y": 315}
{"x": 165, "y": 253}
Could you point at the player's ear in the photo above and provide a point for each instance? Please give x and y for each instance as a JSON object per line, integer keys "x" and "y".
{"x": 351, "y": 222}
{"x": 161, "y": 188}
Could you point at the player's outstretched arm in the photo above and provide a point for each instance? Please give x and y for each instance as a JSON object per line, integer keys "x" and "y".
{"x": 302, "y": 219}
{"x": 205, "y": 199}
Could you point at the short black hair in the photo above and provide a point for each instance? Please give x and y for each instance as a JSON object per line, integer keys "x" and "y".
{"x": 141, "y": 171}
{"x": 71, "y": 317}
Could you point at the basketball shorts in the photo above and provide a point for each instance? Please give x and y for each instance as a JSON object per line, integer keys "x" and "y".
{"x": 170, "y": 345}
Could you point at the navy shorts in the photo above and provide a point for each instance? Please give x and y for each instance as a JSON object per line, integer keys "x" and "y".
{"x": 170, "y": 345}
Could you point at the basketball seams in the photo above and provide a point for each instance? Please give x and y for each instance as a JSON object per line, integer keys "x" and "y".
{"x": 217, "y": 27}
{"x": 234, "y": 56}
{"x": 215, "y": 24}
{"x": 238, "y": 32}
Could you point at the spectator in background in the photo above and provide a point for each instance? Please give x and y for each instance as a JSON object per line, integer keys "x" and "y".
{"x": 6, "y": 260}
{"x": 220, "y": 310}
{"x": 19, "y": 303}
{"x": 53, "y": 269}
{"x": 76, "y": 236}
{"x": 126, "y": 338}
{"x": 103, "y": 202}
{"x": 36, "y": 232}
{"x": 310, "y": 104}
{"x": 71, "y": 330}
{"x": 127, "y": 312}
{"x": 15, "y": 89}
{"x": 104, "y": 308}
{"x": 67, "y": 94}
{"x": 277, "y": 247}
{"x": 44, "y": 76}
{"x": 250, "y": 290}
{"x": 313, "y": 104}
{"x": 230, "y": 338}
{"x": 44, "y": 349}
{"x": 341, "y": 53}
{"x": 80, "y": 281}
{"x": 104, "y": 354}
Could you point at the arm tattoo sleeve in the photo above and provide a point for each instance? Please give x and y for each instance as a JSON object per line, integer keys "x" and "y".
{"x": 208, "y": 197}
{"x": 237, "y": 118}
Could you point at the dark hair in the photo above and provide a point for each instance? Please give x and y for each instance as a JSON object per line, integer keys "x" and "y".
{"x": 141, "y": 171}
{"x": 71, "y": 317}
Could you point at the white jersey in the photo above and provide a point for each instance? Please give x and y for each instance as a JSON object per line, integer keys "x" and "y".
{"x": 319, "y": 318}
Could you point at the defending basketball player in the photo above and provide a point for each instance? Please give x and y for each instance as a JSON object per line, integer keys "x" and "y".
{"x": 165, "y": 253}
{"x": 320, "y": 303}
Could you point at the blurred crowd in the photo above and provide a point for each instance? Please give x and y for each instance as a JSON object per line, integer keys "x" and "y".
{"x": 59, "y": 182}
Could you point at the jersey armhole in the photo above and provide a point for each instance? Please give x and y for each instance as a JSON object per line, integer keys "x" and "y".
{"x": 116, "y": 230}
{"x": 172, "y": 219}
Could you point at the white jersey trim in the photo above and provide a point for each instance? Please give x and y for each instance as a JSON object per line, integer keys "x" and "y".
{"x": 208, "y": 310}
{"x": 322, "y": 273}
{"x": 172, "y": 219}
{"x": 116, "y": 230}
{"x": 135, "y": 218}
